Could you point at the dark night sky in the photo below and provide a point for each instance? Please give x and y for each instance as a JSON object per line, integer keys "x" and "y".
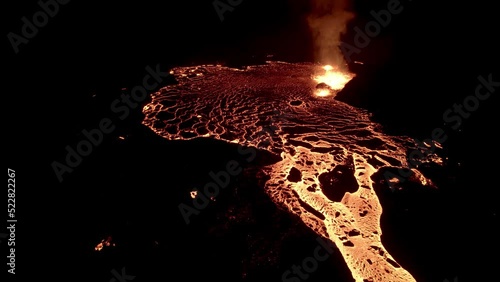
{"x": 428, "y": 58}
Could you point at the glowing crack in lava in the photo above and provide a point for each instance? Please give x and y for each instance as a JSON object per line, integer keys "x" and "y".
{"x": 319, "y": 142}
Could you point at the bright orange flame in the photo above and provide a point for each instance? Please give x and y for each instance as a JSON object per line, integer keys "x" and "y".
{"x": 328, "y": 68}
{"x": 334, "y": 78}
{"x": 193, "y": 194}
{"x": 104, "y": 243}
{"x": 99, "y": 247}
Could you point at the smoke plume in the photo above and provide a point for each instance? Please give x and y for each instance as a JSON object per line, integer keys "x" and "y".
{"x": 327, "y": 21}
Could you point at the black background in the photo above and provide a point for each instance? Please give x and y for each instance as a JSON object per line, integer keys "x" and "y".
{"x": 64, "y": 79}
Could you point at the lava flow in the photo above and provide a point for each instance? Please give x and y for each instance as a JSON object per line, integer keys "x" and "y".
{"x": 329, "y": 150}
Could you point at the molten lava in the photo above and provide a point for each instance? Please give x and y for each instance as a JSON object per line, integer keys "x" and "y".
{"x": 314, "y": 138}
{"x": 323, "y": 92}
{"x": 334, "y": 77}
{"x": 104, "y": 243}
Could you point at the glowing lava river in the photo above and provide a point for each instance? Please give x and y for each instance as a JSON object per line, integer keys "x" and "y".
{"x": 329, "y": 150}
